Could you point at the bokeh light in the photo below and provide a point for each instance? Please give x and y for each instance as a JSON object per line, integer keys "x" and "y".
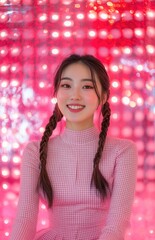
{"x": 35, "y": 35}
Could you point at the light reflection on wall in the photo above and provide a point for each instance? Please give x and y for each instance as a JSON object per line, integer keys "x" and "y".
{"x": 35, "y": 36}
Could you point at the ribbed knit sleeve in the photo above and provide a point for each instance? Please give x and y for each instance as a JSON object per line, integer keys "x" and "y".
{"x": 122, "y": 193}
{"x": 24, "y": 226}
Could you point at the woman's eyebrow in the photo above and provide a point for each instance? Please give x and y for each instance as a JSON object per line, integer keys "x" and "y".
{"x": 66, "y": 78}
{"x": 87, "y": 80}
{"x": 83, "y": 80}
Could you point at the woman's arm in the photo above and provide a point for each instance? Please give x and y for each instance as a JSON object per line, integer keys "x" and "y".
{"x": 122, "y": 192}
{"x": 24, "y": 227}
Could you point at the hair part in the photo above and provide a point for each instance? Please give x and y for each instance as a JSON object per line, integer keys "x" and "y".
{"x": 96, "y": 69}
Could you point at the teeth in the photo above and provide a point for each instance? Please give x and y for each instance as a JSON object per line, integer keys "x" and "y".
{"x": 75, "y": 107}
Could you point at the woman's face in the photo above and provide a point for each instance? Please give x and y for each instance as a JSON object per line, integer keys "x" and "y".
{"x": 76, "y": 96}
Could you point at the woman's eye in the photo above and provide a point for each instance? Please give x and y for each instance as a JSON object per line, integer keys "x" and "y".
{"x": 88, "y": 87}
{"x": 65, "y": 85}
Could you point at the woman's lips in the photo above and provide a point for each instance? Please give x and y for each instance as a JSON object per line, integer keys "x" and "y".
{"x": 75, "y": 107}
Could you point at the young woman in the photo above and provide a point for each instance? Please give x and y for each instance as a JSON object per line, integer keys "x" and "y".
{"x": 87, "y": 178}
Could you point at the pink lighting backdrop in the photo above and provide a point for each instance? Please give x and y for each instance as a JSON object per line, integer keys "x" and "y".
{"x": 35, "y": 35}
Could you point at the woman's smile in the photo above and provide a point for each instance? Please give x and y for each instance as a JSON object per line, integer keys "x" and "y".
{"x": 75, "y": 107}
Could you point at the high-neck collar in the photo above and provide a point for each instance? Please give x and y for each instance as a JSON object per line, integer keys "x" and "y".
{"x": 79, "y": 137}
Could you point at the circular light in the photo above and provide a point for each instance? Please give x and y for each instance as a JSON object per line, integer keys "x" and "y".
{"x": 3, "y": 17}
{"x": 3, "y": 51}
{"x": 150, "y": 49}
{"x": 114, "y": 68}
{"x": 67, "y": 2}
{"x": 114, "y": 99}
{"x": 127, "y": 16}
{"x": 150, "y": 14}
{"x": 103, "y": 34}
{"x": 140, "y": 145}
{"x": 138, "y": 131}
{"x": 5, "y": 186}
{"x": 54, "y": 17}
{"x": 103, "y": 51}
{"x": 16, "y": 173}
{"x": 67, "y": 34}
{"x": 4, "y": 83}
{"x": 41, "y": 2}
{"x": 15, "y": 34}
{"x": 54, "y": 100}
{"x": 115, "y": 16}
{"x": 68, "y": 23}
{"x": 3, "y": 2}
{"x": 139, "y": 32}
{"x": 139, "y": 67}
{"x": 125, "y": 100}
{"x": 132, "y": 104}
{"x": 92, "y": 33}
{"x": 5, "y": 158}
{"x": 115, "y": 51}
{"x": 80, "y": 16}
{"x": 15, "y": 51}
{"x": 3, "y": 34}
{"x": 103, "y": 16}
{"x": 4, "y": 68}
{"x": 115, "y": 116}
{"x": 139, "y": 16}
{"x": 127, "y": 33}
{"x": 42, "y": 17}
{"x": 127, "y": 50}
{"x": 55, "y": 51}
{"x": 139, "y": 84}
{"x": 5, "y": 172}
{"x": 139, "y": 50}
{"x": 92, "y": 15}
{"x": 150, "y": 131}
{"x": 55, "y": 34}
{"x": 16, "y": 159}
{"x": 115, "y": 84}
{"x": 115, "y": 33}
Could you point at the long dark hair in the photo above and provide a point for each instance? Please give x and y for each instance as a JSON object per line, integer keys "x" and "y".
{"x": 96, "y": 68}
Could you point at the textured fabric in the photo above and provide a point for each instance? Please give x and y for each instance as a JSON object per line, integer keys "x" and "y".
{"x": 78, "y": 212}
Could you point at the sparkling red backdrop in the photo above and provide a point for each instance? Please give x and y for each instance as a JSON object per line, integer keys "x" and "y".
{"x": 35, "y": 35}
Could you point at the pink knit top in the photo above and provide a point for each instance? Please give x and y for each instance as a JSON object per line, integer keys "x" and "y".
{"x": 78, "y": 212}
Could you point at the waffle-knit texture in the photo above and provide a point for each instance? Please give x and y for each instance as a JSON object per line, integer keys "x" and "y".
{"x": 78, "y": 212}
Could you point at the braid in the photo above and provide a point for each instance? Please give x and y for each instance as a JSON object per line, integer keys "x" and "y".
{"x": 44, "y": 182}
{"x": 100, "y": 182}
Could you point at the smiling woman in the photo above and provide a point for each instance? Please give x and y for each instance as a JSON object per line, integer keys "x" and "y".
{"x": 86, "y": 177}
{"x": 76, "y": 94}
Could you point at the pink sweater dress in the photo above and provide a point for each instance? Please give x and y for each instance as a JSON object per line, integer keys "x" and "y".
{"x": 78, "y": 212}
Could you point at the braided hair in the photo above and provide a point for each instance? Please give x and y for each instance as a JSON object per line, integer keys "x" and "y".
{"x": 100, "y": 182}
{"x": 96, "y": 69}
{"x": 44, "y": 182}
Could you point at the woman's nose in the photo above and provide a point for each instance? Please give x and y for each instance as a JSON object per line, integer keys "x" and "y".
{"x": 75, "y": 95}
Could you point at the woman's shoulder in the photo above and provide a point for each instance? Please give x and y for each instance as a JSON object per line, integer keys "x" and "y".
{"x": 120, "y": 143}
{"x": 32, "y": 147}
{"x": 121, "y": 150}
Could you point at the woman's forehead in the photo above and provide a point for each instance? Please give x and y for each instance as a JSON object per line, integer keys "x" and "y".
{"x": 79, "y": 69}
